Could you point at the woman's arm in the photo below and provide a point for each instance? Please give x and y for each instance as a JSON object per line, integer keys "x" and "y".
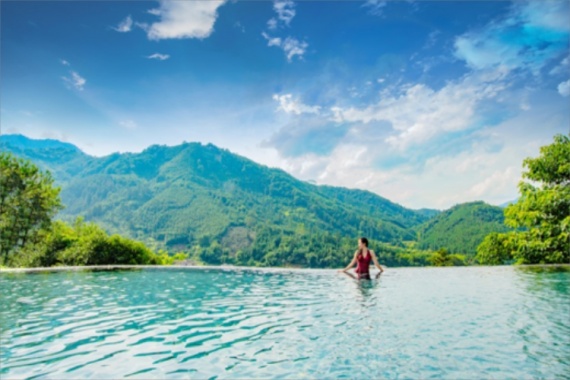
{"x": 348, "y": 274}
{"x": 376, "y": 262}
{"x": 351, "y": 263}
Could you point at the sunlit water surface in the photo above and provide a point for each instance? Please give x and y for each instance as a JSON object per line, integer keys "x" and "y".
{"x": 451, "y": 323}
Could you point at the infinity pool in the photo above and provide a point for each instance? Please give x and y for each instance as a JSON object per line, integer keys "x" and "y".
{"x": 418, "y": 323}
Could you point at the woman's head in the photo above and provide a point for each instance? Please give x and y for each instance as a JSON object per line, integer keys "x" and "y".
{"x": 362, "y": 242}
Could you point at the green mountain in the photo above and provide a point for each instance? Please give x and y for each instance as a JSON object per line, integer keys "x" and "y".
{"x": 63, "y": 160}
{"x": 231, "y": 209}
{"x": 461, "y": 228}
{"x": 174, "y": 196}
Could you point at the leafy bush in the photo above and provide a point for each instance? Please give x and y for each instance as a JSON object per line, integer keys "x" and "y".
{"x": 541, "y": 215}
{"x": 86, "y": 244}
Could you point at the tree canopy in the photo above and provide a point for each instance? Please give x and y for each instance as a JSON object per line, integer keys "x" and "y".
{"x": 28, "y": 202}
{"x": 541, "y": 216}
{"x": 30, "y": 237}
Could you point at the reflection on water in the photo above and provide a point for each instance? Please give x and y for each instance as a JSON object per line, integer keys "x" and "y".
{"x": 467, "y": 323}
{"x": 365, "y": 285}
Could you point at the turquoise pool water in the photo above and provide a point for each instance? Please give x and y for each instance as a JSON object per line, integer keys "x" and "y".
{"x": 419, "y": 323}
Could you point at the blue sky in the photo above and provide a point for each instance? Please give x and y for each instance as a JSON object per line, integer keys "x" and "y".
{"x": 428, "y": 104}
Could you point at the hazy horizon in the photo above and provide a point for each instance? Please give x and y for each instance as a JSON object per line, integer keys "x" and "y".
{"x": 427, "y": 104}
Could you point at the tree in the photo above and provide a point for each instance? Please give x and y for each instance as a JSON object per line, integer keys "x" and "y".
{"x": 28, "y": 201}
{"x": 541, "y": 214}
{"x": 496, "y": 249}
{"x": 442, "y": 258}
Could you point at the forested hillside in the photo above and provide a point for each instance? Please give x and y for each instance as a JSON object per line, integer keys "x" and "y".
{"x": 227, "y": 208}
{"x": 461, "y": 228}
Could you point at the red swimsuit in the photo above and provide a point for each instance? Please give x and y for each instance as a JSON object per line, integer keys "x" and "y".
{"x": 363, "y": 263}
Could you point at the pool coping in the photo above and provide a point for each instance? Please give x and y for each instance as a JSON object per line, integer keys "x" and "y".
{"x": 233, "y": 267}
{"x": 109, "y": 267}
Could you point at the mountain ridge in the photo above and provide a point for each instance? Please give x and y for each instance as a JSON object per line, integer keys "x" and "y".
{"x": 93, "y": 186}
{"x": 179, "y": 197}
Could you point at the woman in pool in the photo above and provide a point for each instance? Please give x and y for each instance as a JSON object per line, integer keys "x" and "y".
{"x": 362, "y": 258}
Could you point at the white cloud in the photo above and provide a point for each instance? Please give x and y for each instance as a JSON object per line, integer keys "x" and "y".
{"x": 375, "y": 6}
{"x": 272, "y": 24}
{"x": 155, "y": 12}
{"x": 293, "y": 47}
{"x": 496, "y": 183}
{"x": 420, "y": 113}
{"x": 160, "y": 57}
{"x": 564, "y": 88}
{"x": 285, "y": 11}
{"x": 184, "y": 19}
{"x": 477, "y": 172}
{"x": 76, "y": 81}
{"x": 290, "y": 46}
{"x": 290, "y": 105}
{"x": 125, "y": 25}
{"x": 532, "y": 34}
{"x": 143, "y": 25}
{"x": 272, "y": 41}
{"x": 64, "y": 62}
{"x": 552, "y": 15}
{"x": 129, "y": 124}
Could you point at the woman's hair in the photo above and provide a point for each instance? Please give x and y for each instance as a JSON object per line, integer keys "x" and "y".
{"x": 365, "y": 242}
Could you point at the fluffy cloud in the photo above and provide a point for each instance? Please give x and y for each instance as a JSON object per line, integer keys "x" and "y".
{"x": 306, "y": 134}
{"x": 564, "y": 88}
{"x": 184, "y": 19}
{"x": 496, "y": 182}
{"x": 533, "y": 33}
{"x": 551, "y": 15}
{"x": 487, "y": 167}
{"x": 272, "y": 41}
{"x": 125, "y": 25}
{"x": 434, "y": 147}
{"x": 420, "y": 113}
{"x": 290, "y": 105}
{"x": 64, "y": 62}
{"x": 160, "y": 57}
{"x": 290, "y": 46}
{"x": 272, "y": 24}
{"x": 293, "y": 47}
{"x": 75, "y": 80}
{"x": 285, "y": 11}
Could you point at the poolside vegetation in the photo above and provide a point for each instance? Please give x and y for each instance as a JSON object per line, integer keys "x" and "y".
{"x": 541, "y": 217}
{"x": 289, "y": 224}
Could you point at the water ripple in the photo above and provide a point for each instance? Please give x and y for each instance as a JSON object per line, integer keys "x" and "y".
{"x": 449, "y": 323}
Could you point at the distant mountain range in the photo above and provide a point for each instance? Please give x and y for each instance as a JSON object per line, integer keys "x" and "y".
{"x": 503, "y": 205}
{"x": 176, "y": 197}
{"x": 461, "y": 228}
